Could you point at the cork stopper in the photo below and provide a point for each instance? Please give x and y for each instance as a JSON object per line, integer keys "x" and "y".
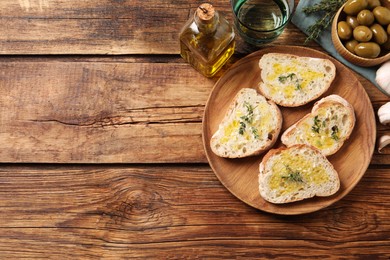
{"x": 205, "y": 12}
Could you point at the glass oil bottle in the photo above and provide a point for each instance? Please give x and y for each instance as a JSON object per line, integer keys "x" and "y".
{"x": 207, "y": 40}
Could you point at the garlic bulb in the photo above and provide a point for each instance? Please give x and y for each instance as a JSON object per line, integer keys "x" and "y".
{"x": 383, "y": 77}
{"x": 384, "y": 114}
{"x": 383, "y": 142}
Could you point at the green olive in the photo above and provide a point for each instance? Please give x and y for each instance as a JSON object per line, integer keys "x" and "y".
{"x": 373, "y": 3}
{"x": 367, "y": 50}
{"x": 365, "y": 17}
{"x": 350, "y": 45}
{"x": 344, "y": 31}
{"x": 353, "y": 7}
{"x": 352, "y": 21}
{"x": 382, "y": 15}
{"x": 380, "y": 35}
{"x": 362, "y": 33}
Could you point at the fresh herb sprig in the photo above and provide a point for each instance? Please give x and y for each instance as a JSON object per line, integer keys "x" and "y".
{"x": 255, "y": 132}
{"x": 241, "y": 130}
{"x": 334, "y": 133}
{"x": 294, "y": 176}
{"x": 291, "y": 77}
{"x": 317, "y": 125}
{"x": 249, "y": 116}
{"x": 327, "y": 10}
{"x": 248, "y": 119}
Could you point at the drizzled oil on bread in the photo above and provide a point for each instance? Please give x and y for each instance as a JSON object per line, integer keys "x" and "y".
{"x": 251, "y": 126}
{"x": 327, "y": 127}
{"x": 296, "y": 173}
{"x": 291, "y": 81}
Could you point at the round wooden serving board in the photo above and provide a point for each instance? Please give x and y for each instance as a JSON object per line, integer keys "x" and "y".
{"x": 240, "y": 176}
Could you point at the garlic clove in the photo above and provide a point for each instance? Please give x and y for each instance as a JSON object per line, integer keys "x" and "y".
{"x": 384, "y": 114}
{"x": 383, "y": 142}
{"x": 383, "y": 77}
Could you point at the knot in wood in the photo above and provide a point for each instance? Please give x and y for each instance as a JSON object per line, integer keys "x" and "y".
{"x": 140, "y": 207}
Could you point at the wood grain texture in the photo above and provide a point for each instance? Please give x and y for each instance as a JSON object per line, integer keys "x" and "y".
{"x": 87, "y": 110}
{"x": 175, "y": 212}
{"x": 101, "y": 82}
{"x": 101, "y": 112}
{"x": 90, "y": 27}
{"x": 102, "y": 27}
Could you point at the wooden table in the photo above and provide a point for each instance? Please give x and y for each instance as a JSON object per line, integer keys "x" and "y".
{"x": 101, "y": 146}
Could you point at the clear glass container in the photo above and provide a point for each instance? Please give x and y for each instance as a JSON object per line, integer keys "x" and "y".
{"x": 207, "y": 40}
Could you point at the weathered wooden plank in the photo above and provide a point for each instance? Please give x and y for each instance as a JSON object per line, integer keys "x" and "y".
{"x": 97, "y": 9}
{"x": 86, "y": 195}
{"x": 47, "y": 244}
{"x": 90, "y": 27}
{"x": 103, "y": 27}
{"x": 164, "y": 211}
{"x": 100, "y": 112}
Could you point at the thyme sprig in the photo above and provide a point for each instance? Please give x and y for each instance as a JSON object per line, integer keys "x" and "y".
{"x": 317, "y": 125}
{"x": 293, "y": 78}
{"x": 292, "y": 176}
{"x": 327, "y": 10}
{"x": 249, "y": 116}
{"x": 324, "y": 5}
{"x": 248, "y": 119}
{"x": 334, "y": 135}
{"x": 241, "y": 130}
{"x": 255, "y": 133}
{"x": 290, "y": 76}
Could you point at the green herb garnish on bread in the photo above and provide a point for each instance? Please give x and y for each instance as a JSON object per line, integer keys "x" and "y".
{"x": 291, "y": 81}
{"x": 250, "y": 126}
{"x": 296, "y": 173}
{"x": 327, "y": 127}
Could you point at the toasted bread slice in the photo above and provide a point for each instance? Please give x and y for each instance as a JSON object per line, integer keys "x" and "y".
{"x": 327, "y": 127}
{"x": 296, "y": 173}
{"x": 251, "y": 125}
{"x": 292, "y": 81}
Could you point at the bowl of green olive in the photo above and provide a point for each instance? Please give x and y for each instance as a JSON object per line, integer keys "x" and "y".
{"x": 361, "y": 32}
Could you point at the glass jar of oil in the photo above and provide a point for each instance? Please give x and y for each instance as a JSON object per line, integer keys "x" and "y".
{"x": 207, "y": 40}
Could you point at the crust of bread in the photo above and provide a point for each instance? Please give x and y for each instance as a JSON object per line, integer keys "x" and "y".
{"x": 306, "y": 188}
{"x": 309, "y": 86}
{"x": 290, "y": 135}
{"x": 259, "y": 146}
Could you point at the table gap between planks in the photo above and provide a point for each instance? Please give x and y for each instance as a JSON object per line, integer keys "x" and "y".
{"x": 101, "y": 146}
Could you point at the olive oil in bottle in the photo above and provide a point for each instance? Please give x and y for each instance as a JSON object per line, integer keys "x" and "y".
{"x": 207, "y": 40}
